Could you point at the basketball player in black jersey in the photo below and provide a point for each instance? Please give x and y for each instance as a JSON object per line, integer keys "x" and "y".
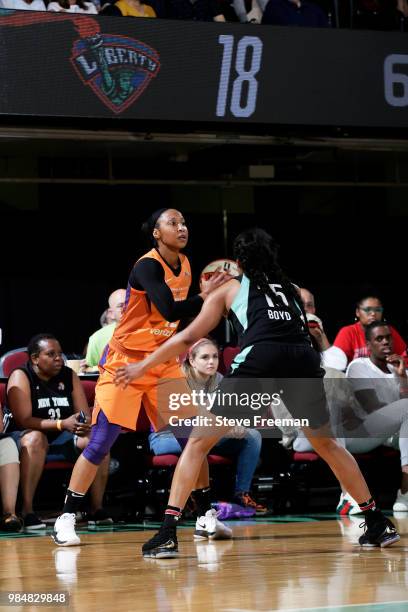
{"x": 265, "y": 309}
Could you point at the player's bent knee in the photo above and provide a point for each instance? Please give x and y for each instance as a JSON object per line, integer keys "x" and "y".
{"x": 200, "y": 445}
{"x": 324, "y": 445}
{"x": 95, "y": 453}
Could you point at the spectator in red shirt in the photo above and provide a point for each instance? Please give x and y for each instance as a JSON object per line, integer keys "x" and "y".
{"x": 351, "y": 338}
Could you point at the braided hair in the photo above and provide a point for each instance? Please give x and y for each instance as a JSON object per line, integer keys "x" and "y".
{"x": 257, "y": 254}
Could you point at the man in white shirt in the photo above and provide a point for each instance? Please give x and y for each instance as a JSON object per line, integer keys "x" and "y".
{"x": 380, "y": 416}
{"x": 380, "y": 385}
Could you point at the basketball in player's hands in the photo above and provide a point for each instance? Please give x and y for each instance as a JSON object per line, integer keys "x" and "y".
{"x": 227, "y": 266}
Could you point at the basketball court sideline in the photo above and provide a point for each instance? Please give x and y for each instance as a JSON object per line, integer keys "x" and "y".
{"x": 300, "y": 563}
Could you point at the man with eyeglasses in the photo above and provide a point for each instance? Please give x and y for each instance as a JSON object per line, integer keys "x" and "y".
{"x": 351, "y": 338}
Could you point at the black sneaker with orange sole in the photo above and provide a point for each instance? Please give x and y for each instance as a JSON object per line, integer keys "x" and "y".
{"x": 245, "y": 500}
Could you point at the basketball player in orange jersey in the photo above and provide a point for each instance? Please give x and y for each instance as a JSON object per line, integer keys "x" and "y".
{"x": 265, "y": 308}
{"x": 156, "y": 299}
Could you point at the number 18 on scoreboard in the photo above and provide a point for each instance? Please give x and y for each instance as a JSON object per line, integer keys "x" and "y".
{"x": 238, "y": 87}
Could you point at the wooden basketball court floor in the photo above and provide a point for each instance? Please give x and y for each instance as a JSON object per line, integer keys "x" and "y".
{"x": 304, "y": 563}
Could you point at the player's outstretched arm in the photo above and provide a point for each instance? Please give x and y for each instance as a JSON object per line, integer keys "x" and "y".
{"x": 208, "y": 318}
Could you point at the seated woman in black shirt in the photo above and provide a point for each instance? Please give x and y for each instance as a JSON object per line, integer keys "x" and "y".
{"x": 46, "y": 398}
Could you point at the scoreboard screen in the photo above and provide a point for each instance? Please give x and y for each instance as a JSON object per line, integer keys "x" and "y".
{"x": 70, "y": 65}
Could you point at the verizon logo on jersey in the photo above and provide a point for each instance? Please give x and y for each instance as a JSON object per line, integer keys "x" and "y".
{"x": 162, "y": 332}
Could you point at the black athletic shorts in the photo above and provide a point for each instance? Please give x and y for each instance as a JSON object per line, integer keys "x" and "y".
{"x": 266, "y": 374}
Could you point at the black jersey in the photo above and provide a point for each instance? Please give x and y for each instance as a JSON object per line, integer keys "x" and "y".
{"x": 259, "y": 319}
{"x": 51, "y": 399}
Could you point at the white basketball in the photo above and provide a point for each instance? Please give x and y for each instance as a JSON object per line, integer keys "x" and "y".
{"x": 220, "y": 265}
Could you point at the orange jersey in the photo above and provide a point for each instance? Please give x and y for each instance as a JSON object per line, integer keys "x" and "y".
{"x": 142, "y": 327}
{"x": 153, "y": 390}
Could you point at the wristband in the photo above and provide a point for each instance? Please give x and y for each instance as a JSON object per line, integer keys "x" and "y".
{"x": 59, "y": 425}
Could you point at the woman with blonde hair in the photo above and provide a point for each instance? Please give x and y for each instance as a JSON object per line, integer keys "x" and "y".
{"x": 200, "y": 368}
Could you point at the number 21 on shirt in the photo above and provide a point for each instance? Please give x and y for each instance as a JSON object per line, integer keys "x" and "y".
{"x": 54, "y": 413}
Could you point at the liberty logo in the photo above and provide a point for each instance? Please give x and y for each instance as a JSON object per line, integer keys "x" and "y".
{"x": 117, "y": 68}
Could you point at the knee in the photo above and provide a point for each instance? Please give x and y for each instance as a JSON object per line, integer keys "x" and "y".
{"x": 35, "y": 442}
{"x": 254, "y": 438}
{"x": 200, "y": 446}
{"x": 96, "y": 451}
{"x": 325, "y": 445}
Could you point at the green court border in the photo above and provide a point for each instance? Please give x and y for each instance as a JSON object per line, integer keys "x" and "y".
{"x": 148, "y": 525}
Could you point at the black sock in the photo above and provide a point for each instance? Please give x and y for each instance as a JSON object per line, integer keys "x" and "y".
{"x": 171, "y": 516}
{"x": 202, "y": 498}
{"x": 370, "y": 511}
{"x": 72, "y": 501}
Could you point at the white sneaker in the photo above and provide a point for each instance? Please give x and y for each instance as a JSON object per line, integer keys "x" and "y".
{"x": 347, "y": 505}
{"x": 401, "y": 503}
{"x": 64, "y": 531}
{"x": 208, "y": 527}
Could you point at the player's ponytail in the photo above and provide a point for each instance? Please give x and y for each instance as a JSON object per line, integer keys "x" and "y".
{"x": 257, "y": 254}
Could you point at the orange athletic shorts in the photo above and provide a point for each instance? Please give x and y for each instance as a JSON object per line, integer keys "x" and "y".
{"x": 153, "y": 390}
